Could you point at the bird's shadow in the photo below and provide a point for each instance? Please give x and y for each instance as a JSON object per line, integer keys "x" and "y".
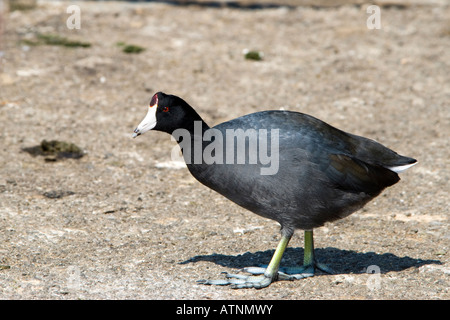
{"x": 340, "y": 261}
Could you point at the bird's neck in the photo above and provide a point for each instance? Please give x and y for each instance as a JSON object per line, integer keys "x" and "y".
{"x": 190, "y": 139}
{"x": 195, "y": 128}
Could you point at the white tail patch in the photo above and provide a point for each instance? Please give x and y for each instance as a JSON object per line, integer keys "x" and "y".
{"x": 399, "y": 169}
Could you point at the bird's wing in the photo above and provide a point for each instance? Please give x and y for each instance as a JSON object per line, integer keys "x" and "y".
{"x": 355, "y": 175}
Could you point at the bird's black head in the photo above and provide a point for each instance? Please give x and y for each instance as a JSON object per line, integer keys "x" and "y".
{"x": 167, "y": 113}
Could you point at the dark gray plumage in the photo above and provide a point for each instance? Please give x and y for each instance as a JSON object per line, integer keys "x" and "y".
{"x": 323, "y": 173}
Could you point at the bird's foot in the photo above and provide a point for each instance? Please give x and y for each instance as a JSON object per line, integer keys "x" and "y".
{"x": 293, "y": 273}
{"x": 305, "y": 271}
{"x": 258, "y": 279}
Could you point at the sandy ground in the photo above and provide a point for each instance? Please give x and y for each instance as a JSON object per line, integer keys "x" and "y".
{"x": 124, "y": 222}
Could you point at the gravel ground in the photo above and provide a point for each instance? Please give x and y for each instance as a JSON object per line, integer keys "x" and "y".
{"x": 125, "y": 222}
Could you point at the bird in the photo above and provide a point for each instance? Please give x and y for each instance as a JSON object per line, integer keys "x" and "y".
{"x": 282, "y": 165}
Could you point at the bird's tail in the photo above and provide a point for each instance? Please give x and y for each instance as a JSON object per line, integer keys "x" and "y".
{"x": 402, "y": 164}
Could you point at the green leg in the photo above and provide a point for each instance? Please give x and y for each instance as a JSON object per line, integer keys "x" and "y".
{"x": 259, "y": 277}
{"x": 274, "y": 265}
{"x": 309, "y": 261}
{"x": 308, "y": 254}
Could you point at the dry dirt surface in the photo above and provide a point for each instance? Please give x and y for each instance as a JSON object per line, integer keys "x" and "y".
{"x": 121, "y": 220}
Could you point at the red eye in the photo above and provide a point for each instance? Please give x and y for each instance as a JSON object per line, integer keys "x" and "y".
{"x": 154, "y": 100}
{"x": 165, "y": 109}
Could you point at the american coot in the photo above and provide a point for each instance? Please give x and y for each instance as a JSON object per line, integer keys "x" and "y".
{"x": 314, "y": 174}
